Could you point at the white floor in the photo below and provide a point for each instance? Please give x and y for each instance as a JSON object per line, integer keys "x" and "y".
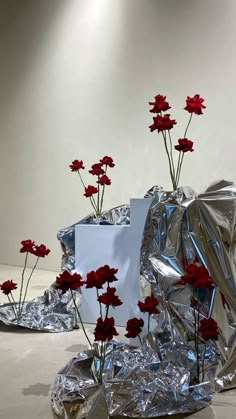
{"x": 29, "y": 361}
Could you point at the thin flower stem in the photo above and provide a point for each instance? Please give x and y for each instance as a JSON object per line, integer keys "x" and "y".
{"x": 203, "y": 364}
{"x": 92, "y": 200}
{"x": 198, "y": 358}
{"x": 190, "y": 119}
{"x": 27, "y": 285}
{"x": 100, "y": 305}
{"x": 22, "y": 282}
{"x": 75, "y": 305}
{"x": 180, "y": 167}
{"x": 12, "y": 304}
{"x": 98, "y": 201}
{"x": 140, "y": 340}
{"x": 103, "y": 191}
{"x": 171, "y": 155}
{"x": 149, "y": 315}
{"x": 170, "y": 168}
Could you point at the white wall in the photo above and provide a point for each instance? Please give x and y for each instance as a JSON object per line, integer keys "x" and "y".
{"x": 75, "y": 80}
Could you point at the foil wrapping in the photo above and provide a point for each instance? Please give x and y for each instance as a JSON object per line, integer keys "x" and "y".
{"x": 66, "y": 236}
{"x": 180, "y": 228}
{"x": 52, "y": 312}
{"x": 136, "y": 384}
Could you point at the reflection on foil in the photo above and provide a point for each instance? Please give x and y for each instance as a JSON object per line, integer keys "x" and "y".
{"x": 135, "y": 384}
{"x": 115, "y": 216}
{"x": 53, "y": 312}
{"x": 180, "y": 229}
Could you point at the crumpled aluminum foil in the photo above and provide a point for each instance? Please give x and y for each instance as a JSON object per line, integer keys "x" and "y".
{"x": 180, "y": 227}
{"x": 135, "y": 384}
{"x": 66, "y": 236}
{"x": 52, "y": 312}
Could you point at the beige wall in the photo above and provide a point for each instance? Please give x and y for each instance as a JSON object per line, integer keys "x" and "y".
{"x": 75, "y": 80}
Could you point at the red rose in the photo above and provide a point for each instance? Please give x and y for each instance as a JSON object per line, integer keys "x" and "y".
{"x": 41, "y": 251}
{"x": 96, "y": 169}
{"x": 90, "y": 190}
{"x": 149, "y": 305}
{"x": 27, "y": 246}
{"x": 104, "y": 180}
{"x": 108, "y": 161}
{"x": 197, "y": 277}
{"x": 8, "y": 286}
{"x": 105, "y": 329}
{"x": 76, "y": 165}
{"x": 162, "y": 123}
{"x": 134, "y": 327}
{"x": 109, "y": 298}
{"x": 184, "y": 145}
{"x": 209, "y": 329}
{"x": 160, "y": 104}
{"x": 107, "y": 274}
{"x": 94, "y": 280}
{"x": 195, "y": 104}
{"x": 67, "y": 281}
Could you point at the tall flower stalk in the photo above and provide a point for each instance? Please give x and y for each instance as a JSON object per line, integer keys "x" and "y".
{"x": 163, "y": 124}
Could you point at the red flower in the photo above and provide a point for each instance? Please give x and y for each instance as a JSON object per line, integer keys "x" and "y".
{"x": 109, "y": 298}
{"x": 27, "y": 246}
{"x": 160, "y": 104}
{"x": 107, "y": 274}
{"x": 134, "y": 327}
{"x": 67, "y": 281}
{"x": 96, "y": 169}
{"x": 90, "y": 190}
{"x": 8, "y": 286}
{"x": 41, "y": 251}
{"x": 184, "y": 145}
{"x": 76, "y": 165}
{"x": 94, "y": 280}
{"x": 209, "y": 329}
{"x": 105, "y": 329}
{"x": 104, "y": 180}
{"x": 162, "y": 123}
{"x": 108, "y": 161}
{"x": 149, "y": 305}
{"x": 197, "y": 277}
{"x": 195, "y": 104}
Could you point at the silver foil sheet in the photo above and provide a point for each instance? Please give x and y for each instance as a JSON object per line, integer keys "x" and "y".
{"x": 181, "y": 228}
{"x": 52, "y": 312}
{"x": 136, "y": 384}
{"x": 66, "y": 236}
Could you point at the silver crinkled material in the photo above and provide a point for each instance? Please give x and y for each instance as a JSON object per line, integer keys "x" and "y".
{"x": 136, "y": 384}
{"x": 52, "y": 312}
{"x": 180, "y": 227}
{"x": 66, "y": 236}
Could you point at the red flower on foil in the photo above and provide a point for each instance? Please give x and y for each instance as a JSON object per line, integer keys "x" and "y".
{"x": 97, "y": 169}
{"x": 149, "y": 305}
{"x": 109, "y": 298}
{"x": 76, "y": 165}
{"x": 197, "y": 277}
{"x": 105, "y": 329}
{"x": 41, "y": 251}
{"x": 108, "y": 161}
{"x": 8, "y": 286}
{"x": 195, "y": 104}
{"x": 134, "y": 327}
{"x": 27, "y": 246}
{"x": 184, "y": 145}
{"x": 107, "y": 274}
{"x": 90, "y": 190}
{"x": 104, "y": 180}
{"x": 209, "y": 329}
{"x": 160, "y": 104}
{"x": 68, "y": 281}
{"x": 162, "y": 123}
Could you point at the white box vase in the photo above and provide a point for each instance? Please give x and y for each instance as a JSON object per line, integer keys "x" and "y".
{"x": 119, "y": 247}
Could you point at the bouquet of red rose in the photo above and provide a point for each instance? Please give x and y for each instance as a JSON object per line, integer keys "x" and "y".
{"x": 28, "y": 247}
{"x": 95, "y": 193}
{"x": 163, "y": 123}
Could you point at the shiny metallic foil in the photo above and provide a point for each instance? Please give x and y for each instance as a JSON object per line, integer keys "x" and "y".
{"x": 52, "y": 312}
{"x": 180, "y": 228}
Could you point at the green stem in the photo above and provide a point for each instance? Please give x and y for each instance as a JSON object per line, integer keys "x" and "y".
{"x": 103, "y": 191}
{"x": 92, "y": 200}
{"x": 27, "y": 285}
{"x": 140, "y": 340}
{"x": 22, "y": 282}
{"x": 180, "y": 167}
{"x": 100, "y": 304}
{"x": 171, "y": 154}
{"x": 12, "y": 304}
{"x": 98, "y": 201}
{"x": 190, "y": 119}
{"x": 75, "y": 305}
{"x": 203, "y": 364}
{"x": 149, "y": 315}
{"x": 170, "y": 168}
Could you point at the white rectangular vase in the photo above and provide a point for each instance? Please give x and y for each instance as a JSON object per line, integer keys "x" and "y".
{"x": 119, "y": 247}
